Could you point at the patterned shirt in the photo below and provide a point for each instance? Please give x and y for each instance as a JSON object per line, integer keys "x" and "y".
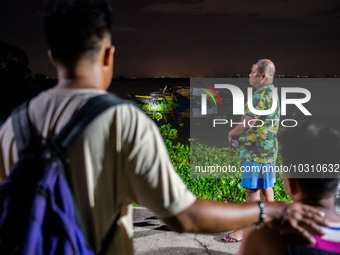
{"x": 260, "y": 143}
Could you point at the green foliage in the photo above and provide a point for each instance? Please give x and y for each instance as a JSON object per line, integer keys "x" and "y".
{"x": 280, "y": 193}
{"x": 218, "y": 188}
{"x": 205, "y": 155}
{"x": 161, "y": 107}
{"x": 156, "y": 116}
{"x": 168, "y": 132}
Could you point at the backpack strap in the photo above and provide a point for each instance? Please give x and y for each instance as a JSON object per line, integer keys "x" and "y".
{"x": 25, "y": 134}
{"x": 83, "y": 117}
{"x": 23, "y": 130}
{"x": 71, "y": 131}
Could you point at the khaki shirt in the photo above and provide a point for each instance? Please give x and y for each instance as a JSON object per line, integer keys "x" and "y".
{"x": 120, "y": 159}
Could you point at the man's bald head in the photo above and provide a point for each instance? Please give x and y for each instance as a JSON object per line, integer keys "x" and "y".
{"x": 262, "y": 73}
{"x": 266, "y": 66}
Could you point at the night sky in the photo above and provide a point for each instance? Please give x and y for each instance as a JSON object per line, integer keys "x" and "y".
{"x": 205, "y": 38}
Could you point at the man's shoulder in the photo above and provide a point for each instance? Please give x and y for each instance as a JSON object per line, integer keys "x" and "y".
{"x": 77, "y": 98}
{"x": 52, "y": 109}
{"x": 266, "y": 90}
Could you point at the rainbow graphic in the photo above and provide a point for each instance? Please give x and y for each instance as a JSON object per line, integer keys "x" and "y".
{"x": 213, "y": 90}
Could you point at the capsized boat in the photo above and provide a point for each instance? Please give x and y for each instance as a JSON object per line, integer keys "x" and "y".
{"x": 185, "y": 92}
{"x": 165, "y": 95}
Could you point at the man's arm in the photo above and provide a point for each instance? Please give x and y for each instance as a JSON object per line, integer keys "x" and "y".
{"x": 156, "y": 185}
{"x": 208, "y": 216}
{"x": 240, "y": 129}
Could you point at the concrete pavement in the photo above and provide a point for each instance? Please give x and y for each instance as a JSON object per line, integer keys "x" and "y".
{"x": 152, "y": 237}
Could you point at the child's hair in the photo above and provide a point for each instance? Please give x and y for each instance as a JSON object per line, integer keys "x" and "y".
{"x": 311, "y": 151}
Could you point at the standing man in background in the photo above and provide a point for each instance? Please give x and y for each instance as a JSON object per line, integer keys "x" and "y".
{"x": 258, "y": 139}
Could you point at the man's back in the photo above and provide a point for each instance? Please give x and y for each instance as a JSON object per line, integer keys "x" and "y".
{"x": 111, "y": 165}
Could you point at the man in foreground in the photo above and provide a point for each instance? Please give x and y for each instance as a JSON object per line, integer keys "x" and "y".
{"x": 311, "y": 145}
{"x": 121, "y": 158}
{"x": 258, "y": 141}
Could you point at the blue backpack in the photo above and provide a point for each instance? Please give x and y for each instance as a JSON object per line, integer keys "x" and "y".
{"x": 38, "y": 214}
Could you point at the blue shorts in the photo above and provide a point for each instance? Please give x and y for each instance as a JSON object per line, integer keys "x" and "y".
{"x": 258, "y": 175}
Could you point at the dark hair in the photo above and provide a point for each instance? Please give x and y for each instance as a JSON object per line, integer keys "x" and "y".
{"x": 312, "y": 144}
{"x": 74, "y": 28}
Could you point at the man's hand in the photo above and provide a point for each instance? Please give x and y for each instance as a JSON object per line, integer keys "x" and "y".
{"x": 296, "y": 217}
{"x": 206, "y": 216}
{"x": 241, "y": 129}
{"x": 229, "y": 138}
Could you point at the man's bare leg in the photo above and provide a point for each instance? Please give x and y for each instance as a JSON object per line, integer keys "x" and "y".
{"x": 267, "y": 195}
{"x": 253, "y": 195}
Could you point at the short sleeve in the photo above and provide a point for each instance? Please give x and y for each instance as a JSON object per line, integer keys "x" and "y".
{"x": 8, "y": 151}
{"x": 154, "y": 182}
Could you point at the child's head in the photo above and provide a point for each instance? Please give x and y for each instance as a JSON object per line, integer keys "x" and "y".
{"x": 312, "y": 153}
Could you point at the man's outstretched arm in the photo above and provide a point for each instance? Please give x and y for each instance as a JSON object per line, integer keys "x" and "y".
{"x": 208, "y": 216}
